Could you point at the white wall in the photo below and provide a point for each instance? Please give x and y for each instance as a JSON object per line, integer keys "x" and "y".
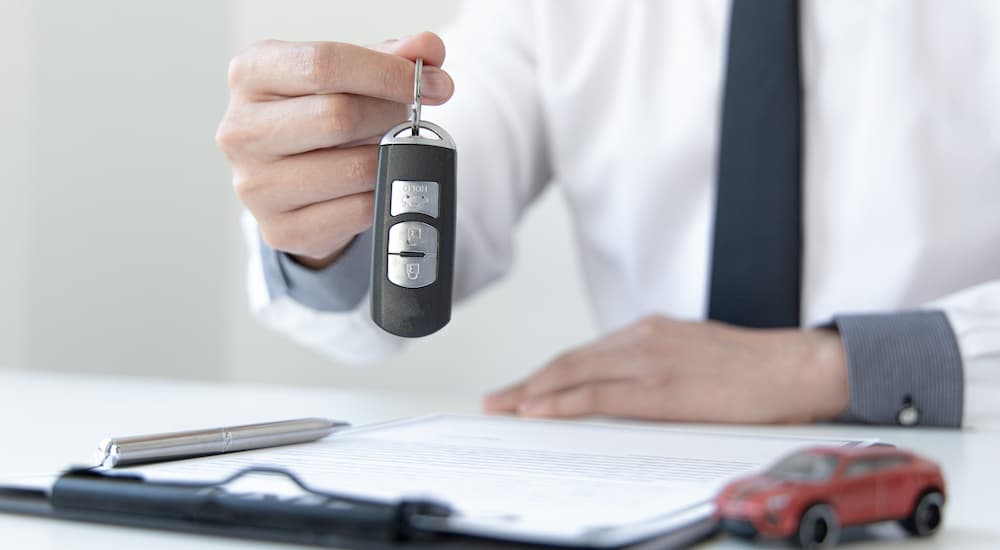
{"x": 15, "y": 61}
{"x": 121, "y": 251}
{"x": 126, "y": 255}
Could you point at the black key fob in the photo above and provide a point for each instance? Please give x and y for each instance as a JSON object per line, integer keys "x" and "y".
{"x": 413, "y": 250}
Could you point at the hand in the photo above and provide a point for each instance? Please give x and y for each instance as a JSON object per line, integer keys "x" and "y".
{"x": 661, "y": 369}
{"x": 301, "y": 133}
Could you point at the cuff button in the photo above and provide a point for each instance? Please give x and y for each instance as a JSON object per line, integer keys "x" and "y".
{"x": 909, "y": 415}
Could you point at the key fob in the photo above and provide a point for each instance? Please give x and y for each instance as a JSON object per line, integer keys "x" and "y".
{"x": 413, "y": 244}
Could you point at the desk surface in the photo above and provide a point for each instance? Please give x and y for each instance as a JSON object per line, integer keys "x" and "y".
{"x": 52, "y": 420}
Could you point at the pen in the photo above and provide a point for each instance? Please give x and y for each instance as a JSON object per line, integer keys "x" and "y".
{"x": 125, "y": 451}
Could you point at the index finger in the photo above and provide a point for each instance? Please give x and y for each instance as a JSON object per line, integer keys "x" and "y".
{"x": 274, "y": 68}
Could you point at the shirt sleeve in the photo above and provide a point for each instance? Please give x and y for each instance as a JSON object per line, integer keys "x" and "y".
{"x": 339, "y": 287}
{"x": 503, "y": 165}
{"x": 349, "y": 336}
{"x": 937, "y": 366}
{"x": 903, "y": 368}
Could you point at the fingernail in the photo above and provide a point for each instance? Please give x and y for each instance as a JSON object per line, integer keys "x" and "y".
{"x": 436, "y": 84}
{"x": 391, "y": 45}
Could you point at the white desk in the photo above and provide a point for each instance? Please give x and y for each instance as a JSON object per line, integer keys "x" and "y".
{"x": 48, "y": 421}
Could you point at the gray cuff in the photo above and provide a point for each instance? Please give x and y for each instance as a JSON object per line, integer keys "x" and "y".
{"x": 903, "y": 368}
{"x": 338, "y": 287}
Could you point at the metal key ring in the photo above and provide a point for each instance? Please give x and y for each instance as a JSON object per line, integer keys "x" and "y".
{"x": 415, "y": 112}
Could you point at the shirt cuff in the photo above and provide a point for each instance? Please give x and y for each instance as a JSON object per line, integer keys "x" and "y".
{"x": 338, "y": 287}
{"x": 903, "y": 368}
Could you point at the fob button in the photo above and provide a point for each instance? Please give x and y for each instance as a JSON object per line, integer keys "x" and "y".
{"x": 414, "y": 196}
{"x": 409, "y": 272}
{"x": 413, "y": 237}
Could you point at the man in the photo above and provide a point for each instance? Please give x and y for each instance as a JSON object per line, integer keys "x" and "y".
{"x": 785, "y": 213}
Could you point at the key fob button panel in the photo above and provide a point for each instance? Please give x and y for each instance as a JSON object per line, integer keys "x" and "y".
{"x": 414, "y": 196}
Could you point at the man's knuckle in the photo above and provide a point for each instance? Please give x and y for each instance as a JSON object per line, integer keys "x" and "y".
{"x": 317, "y": 63}
{"x": 591, "y": 397}
{"x": 361, "y": 168}
{"x": 248, "y": 188}
{"x": 549, "y": 377}
{"x": 356, "y": 212}
{"x": 565, "y": 362}
{"x": 271, "y": 235}
{"x": 241, "y": 185}
{"x": 282, "y": 235}
{"x": 227, "y": 137}
{"x": 365, "y": 208}
{"x": 647, "y": 329}
{"x": 650, "y": 321}
{"x": 241, "y": 66}
{"x": 235, "y": 132}
{"x": 339, "y": 115}
{"x": 237, "y": 71}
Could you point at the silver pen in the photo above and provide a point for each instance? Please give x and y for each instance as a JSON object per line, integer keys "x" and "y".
{"x": 126, "y": 451}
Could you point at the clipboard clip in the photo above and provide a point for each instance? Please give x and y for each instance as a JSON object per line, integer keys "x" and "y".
{"x": 313, "y": 511}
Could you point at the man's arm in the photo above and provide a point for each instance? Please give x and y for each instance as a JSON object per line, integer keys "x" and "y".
{"x": 502, "y": 167}
{"x": 911, "y": 368}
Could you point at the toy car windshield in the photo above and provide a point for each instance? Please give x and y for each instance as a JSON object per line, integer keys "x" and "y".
{"x": 806, "y": 466}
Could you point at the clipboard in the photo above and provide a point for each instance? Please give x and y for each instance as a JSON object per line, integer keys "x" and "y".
{"x": 318, "y": 519}
{"x": 431, "y": 482}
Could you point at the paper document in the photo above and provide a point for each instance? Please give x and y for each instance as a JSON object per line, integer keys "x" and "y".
{"x": 542, "y": 481}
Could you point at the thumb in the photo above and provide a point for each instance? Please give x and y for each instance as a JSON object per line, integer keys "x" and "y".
{"x": 437, "y": 85}
{"x": 426, "y": 45}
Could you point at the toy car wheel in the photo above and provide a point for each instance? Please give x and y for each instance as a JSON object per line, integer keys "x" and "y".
{"x": 818, "y": 528}
{"x": 927, "y": 514}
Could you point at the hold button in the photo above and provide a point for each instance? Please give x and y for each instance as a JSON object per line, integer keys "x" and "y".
{"x": 414, "y": 196}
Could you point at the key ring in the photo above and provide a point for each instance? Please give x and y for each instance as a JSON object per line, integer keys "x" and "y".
{"x": 415, "y": 111}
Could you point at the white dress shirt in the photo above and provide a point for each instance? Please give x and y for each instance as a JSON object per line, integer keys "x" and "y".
{"x": 618, "y": 104}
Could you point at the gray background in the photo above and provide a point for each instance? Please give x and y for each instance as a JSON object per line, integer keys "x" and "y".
{"x": 120, "y": 243}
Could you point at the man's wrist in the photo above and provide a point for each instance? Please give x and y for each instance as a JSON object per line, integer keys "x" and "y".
{"x": 827, "y": 373}
{"x": 321, "y": 262}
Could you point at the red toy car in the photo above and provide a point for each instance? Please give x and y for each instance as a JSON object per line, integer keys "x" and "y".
{"x": 808, "y": 496}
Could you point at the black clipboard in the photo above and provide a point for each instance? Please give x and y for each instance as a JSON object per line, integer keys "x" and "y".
{"x": 317, "y": 518}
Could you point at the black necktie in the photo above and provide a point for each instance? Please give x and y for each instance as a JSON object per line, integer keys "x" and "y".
{"x": 756, "y": 258}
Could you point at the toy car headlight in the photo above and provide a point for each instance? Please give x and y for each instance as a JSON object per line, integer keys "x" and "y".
{"x": 777, "y": 502}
